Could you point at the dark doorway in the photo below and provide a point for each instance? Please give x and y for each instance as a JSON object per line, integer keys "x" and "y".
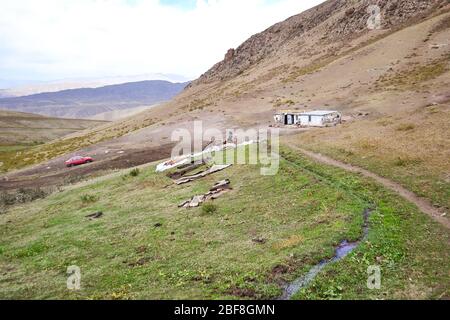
{"x": 289, "y": 119}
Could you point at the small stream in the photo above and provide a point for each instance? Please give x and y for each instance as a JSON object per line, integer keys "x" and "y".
{"x": 341, "y": 252}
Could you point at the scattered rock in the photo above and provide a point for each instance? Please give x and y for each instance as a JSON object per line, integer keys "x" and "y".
{"x": 259, "y": 240}
{"x": 138, "y": 263}
{"x": 280, "y": 269}
{"x": 141, "y": 249}
{"x": 216, "y": 191}
{"x": 221, "y": 185}
{"x": 349, "y": 11}
{"x": 95, "y": 215}
{"x": 243, "y": 292}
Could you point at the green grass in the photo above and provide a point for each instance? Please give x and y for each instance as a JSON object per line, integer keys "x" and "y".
{"x": 22, "y": 156}
{"x": 410, "y": 79}
{"x": 209, "y": 208}
{"x": 411, "y": 250}
{"x": 88, "y": 198}
{"x": 409, "y": 170}
{"x": 144, "y": 246}
{"x": 8, "y": 152}
{"x": 135, "y": 172}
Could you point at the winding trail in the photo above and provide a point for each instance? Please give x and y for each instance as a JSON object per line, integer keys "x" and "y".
{"x": 423, "y": 204}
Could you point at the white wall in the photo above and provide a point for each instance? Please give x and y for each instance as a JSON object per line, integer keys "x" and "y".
{"x": 316, "y": 121}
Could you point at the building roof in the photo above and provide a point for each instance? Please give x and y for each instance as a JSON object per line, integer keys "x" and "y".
{"x": 308, "y": 113}
{"x": 289, "y": 111}
{"x": 319, "y": 112}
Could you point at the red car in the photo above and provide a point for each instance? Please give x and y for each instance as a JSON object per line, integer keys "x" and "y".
{"x": 76, "y": 161}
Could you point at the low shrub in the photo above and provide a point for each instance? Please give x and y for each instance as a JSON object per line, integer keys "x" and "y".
{"x": 209, "y": 208}
{"x": 406, "y": 127}
{"x": 21, "y": 196}
{"x": 404, "y": 161}
{"x": 88, "y": 198}
{"x": 135, "y": 172}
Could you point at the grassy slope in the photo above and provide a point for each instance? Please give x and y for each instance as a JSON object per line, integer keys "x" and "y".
{"x": 25, "y": 128}
{"x": 411, "y": 250}
{"x": 23, "y": 133}
{"x": 52, "y": 149}
{"x": 411, "y": 149}
{"x": 303, "y": 212}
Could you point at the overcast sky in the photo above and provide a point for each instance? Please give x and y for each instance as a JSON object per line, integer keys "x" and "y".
{"x": 57, "y": 39}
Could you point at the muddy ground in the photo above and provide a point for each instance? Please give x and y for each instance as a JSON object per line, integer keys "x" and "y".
{"x": 140, "y": 147}
{"x": 54, "y": 173}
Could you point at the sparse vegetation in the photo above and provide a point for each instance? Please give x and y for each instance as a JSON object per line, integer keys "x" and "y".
{"x": 283, "y": 102}
{"x": 21, "y": 196}
{"x": 135, "y": 172}
{"x": 88, "y": 198}
{"x": 37, "y": 154}
{"x": 413, "y": 153}
{"x": 406, "y": 127}
{"x": 404, "y": 161}
{"x": 442, "y": 25}
{"x": 198, "y": 104}
{"x": 385, "y": 122}
{"x": 308, "y": 69}
{"x": 408, "y": 79}
{"x": 367, "y": 143}
{"x": 209, "y": 208}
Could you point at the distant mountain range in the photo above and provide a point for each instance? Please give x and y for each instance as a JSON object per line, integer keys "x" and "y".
{"x": 88, "y": 102}
{"x": 18, "y": 88}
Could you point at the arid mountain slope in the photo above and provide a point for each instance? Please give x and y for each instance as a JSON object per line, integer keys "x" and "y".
{"x": 334, "y": 21}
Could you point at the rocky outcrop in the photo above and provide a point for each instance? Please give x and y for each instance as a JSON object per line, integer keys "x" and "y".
{"x": 230, "y": 55}
{"x": 340, "y": 19}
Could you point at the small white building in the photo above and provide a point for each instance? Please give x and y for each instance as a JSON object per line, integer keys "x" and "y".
{"x": 318, "y": 118}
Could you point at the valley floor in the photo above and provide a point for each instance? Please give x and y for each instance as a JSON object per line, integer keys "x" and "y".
{"x": 253, "y": 240}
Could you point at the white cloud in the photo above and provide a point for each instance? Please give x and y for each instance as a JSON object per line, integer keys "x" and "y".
{"x": 66, "y": 38}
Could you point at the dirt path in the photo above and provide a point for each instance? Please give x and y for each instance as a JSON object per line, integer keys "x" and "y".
{"x": 423, "y": 204}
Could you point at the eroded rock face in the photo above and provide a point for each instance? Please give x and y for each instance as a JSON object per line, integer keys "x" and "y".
{"x": 230, "y": 55}
{"x": 339, "y": 20}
